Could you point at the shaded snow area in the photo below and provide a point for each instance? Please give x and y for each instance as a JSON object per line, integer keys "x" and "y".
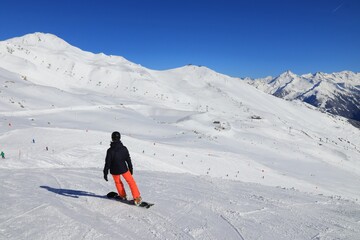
{"x": 218, "y": 158}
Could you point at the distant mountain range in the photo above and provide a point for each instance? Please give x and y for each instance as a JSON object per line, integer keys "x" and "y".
{"x": 336, "y": 93}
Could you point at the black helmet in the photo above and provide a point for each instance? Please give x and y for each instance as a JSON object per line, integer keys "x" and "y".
{"x": 115, "y": 136}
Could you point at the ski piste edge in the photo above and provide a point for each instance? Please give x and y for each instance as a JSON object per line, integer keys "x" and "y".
{"x": 115, "y": 196}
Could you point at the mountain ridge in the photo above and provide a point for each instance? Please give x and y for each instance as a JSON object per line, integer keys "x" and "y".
{"x": 337, "y": 93}
{"x": 47, "y": 60}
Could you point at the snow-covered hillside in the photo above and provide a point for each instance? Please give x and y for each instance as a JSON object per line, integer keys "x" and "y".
{"x": 219, "y": 158}
{"x": 336, "y": 93}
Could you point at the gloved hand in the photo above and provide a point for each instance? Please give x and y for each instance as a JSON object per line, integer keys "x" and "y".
{"x": 105, "y": 177}
{"x": 131, "y": 171}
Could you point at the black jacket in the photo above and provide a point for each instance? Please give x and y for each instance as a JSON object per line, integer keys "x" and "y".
{"x": 117, "y": 159}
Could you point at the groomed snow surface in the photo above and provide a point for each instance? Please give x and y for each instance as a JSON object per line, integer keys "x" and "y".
{"x": 219, "y": 158}
{"x": 59, "y": 194}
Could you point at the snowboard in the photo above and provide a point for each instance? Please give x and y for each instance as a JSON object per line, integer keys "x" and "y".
{"x": 115, "y": 196}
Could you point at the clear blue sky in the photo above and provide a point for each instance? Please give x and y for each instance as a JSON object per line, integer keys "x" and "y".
{"x": 254, "y": 38}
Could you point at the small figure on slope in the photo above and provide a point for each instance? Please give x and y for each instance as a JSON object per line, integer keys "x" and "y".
{"x": 118, "y": 161}
{"x": 2, "y": 155}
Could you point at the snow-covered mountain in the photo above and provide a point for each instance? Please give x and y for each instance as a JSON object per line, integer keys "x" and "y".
{"x": 336, "y": 93}
{"x": 219, "y": 158}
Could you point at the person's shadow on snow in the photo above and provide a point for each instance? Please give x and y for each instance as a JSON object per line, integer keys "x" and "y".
{"x": 71, "y": 193}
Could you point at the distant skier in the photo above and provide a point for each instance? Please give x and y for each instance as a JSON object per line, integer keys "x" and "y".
{"x": 2, "y": 155}
{"x": 118, "y": 161}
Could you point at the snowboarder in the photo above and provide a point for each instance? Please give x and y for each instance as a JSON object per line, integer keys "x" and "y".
{"x": 118, "y": 161}
{"x": 2, "y": 155}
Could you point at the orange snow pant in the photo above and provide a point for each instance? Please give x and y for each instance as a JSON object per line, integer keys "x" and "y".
{"x": 131, "y": 182}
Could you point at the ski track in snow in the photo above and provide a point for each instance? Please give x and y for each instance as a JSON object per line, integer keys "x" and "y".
{"x": 58, "y": 110}
{"x": 237, "y": 230}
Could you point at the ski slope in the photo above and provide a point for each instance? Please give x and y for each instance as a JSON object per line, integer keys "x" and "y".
{"x": 69, "y": 203}
{"x": 220, "y": 159}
